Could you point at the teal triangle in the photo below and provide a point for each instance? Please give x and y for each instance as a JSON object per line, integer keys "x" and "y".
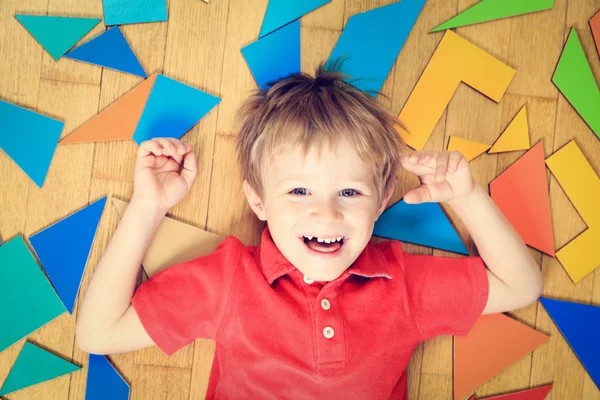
{"x": 28, "y": 138}
{"x": 424, "y": 224}
{"x": 282, "y": 12}
{"x": 63, "y": 250}
{"x": 110, "y": 50}
{"x": 35, "y": 365}
{"x": 172, "y": 109}
{"x": 57, "y": 34}
{"x": 579, "y": 324}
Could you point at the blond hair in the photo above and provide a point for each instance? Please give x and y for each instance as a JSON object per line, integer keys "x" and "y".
{"x": 300, "y": 110}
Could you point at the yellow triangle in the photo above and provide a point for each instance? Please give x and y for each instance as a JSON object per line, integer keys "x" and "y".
{"x": 468, "y": 148}
{"x": 515, "y": 136}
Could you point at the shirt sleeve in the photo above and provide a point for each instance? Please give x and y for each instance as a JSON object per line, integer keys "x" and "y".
{"x": 446, "y": 294}
{"x": 187, "y": 301}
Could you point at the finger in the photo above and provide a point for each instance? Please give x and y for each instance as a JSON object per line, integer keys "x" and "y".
{"x": 441, "y": 166}
{"x": 418, "y": 156}
{"x": 419, "y": 195}
{"x": 454, "y": 161}
{"x": 149, "y": 147}
{"x": 189, "y": 168}
{"x": 179, "y": 146}
{"x": 169, "y": 147}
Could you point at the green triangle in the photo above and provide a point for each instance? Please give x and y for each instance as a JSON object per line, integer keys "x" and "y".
{"x": 35, "y": 365}
{"x": 57, "y": 34}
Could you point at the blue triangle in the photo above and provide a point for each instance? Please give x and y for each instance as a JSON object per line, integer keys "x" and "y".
{"x": 371, "y": 42}
{"x": 172, "y": 109}
{"x": 580, "y": 325}
{"x": 110, "y": 50}
{"x": 57, "y": 34}
{"x": 274, "y": 56}
{"x": 282, "y": 12}
{"x": 103, "y": 381}
{"x": 29, "y": 138}
{"x": 63, "y": 249}
{"x": 424, "y": 224}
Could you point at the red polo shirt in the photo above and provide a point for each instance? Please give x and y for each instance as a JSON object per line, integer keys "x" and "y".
{"x": 281, "y": 335}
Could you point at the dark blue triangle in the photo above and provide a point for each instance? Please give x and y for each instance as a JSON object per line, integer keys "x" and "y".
{"x": 63, "y": 249}
{"x": 580, "y": 325}
{"x": 103, "y": 381}
{"x": 424, "y": 224}
{"x": 110, "y": 50}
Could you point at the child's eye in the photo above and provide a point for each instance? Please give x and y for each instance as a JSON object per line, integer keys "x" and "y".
{"x": 348, "y": 192}
{"x": 299, "y": 191}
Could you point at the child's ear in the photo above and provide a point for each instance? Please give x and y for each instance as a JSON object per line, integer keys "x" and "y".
{"x": 255, "y": 201}
{"x": 384, "y": 202}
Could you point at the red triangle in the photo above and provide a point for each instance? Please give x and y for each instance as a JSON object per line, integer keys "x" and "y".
{"x": 521, "y": 193}
{"x": 538, "y": 393}
{"x": 494, "y": 343}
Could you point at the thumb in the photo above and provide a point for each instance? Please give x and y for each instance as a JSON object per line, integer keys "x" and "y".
{"x": 189, "y": 168}
{"x": 418, "y": 195}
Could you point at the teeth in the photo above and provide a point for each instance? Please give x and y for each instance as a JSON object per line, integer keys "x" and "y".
{"x": 308, "y": 237}
{"x": 320, "y": 240}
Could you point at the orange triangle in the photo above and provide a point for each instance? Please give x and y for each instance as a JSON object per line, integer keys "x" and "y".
{"x": 538, "y": 393}
{"x": 521, "y": 193}
{"x": 515, "y": 136}
{"x": 494, "y": 343}
{"x": 118, "y": 121}
{"x": 468, "y": 148}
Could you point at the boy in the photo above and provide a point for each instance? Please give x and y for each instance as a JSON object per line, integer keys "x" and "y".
{"x": 317, "y": 310}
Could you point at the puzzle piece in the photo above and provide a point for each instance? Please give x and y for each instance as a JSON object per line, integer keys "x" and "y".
{"x": 577, "y": 178}
{"x": 539, "y": 393}
{"x": 424, "y": 224}
{"x": 371, "y": 41}
{"x": 494, "y": 343}
{"x": 455, "y": 60}
{"x": 110, "y": 50}
{"x": 28, "y": 300}
{"x": 103, "y": 381}
{"x": 57, "y": 34}
{"x": 282, "y": 12}
{"x": 35, "y": 365}
{"x": 172, "y": 109}
{"x": 575, "y": 80}
{"x": 122, "y": 12}
{"x": 118, "y": 121}
{"x": 274, "y": 56}
{"x": 468, "y": 148}
{"x": 489, "y": 10}
{"x": 579, "y": 324}
{"x": 63, "y": 249}
{"x": 521, "y": 193}
{"x": 595, "y": 26}
{"x": 515, "y": 136}
{"x": 174, "y": 243}
{"x": 29, "y": 139}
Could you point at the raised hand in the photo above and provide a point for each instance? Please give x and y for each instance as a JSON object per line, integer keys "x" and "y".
{"x": 164, "y": 172}
{"x": 444, "y": 176}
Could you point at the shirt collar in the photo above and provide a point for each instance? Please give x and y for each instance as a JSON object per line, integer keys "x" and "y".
{"x": 371, "y": 263}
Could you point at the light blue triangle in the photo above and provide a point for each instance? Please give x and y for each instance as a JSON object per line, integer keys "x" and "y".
{"x": 282, "y": 12}
{"x": 35, "y": 365}
{"x": 121, "y": 12}
{"x": 63, "y": 249}
{"x": 172, "y": 109}
{"x": 29, "y": 138}
{"x": 57, "y": 34}
{"x": 103, "y": 381}
{"x": 424, "y": 224}
{"x": 274, "y": 56}
{"x": 580, "y": 325}
{"x": 371, "y": 42}
{"x": 110, "y": 50}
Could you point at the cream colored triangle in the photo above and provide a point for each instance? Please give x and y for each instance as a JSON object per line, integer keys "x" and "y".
{"x": 174, "y": 242}
{"x": 468, "y": 148}
{"x": 515, "y": 136}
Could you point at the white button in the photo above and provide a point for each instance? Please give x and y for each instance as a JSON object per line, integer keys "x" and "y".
{"x": 325, "y": 304}
{"x": 328, "y": 332}
{"x": 308, "y": 280}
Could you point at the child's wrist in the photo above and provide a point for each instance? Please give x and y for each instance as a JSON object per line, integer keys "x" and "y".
{"x": 149, "y": 208}
{"x": 465, "y": 198}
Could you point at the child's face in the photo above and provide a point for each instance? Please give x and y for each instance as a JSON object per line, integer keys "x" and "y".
{"x": 331, "y": 196}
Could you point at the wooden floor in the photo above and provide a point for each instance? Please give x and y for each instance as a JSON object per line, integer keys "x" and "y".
{"x": 199, "y": 45}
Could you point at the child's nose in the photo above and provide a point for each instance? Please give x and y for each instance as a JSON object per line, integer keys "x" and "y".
{"x": 327, "y": 212}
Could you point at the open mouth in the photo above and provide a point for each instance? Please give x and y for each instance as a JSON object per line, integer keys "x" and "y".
{"x": 324, "y": 245}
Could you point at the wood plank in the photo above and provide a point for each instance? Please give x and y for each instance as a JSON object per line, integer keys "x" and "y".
{"x": 70, "y": 70}
{"x": 160, "y": 383}
{"x": 330, "y": 16}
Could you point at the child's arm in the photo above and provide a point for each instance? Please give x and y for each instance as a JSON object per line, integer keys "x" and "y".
{"x": 515, "y": 279}
{"x": 107, "y": 323}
